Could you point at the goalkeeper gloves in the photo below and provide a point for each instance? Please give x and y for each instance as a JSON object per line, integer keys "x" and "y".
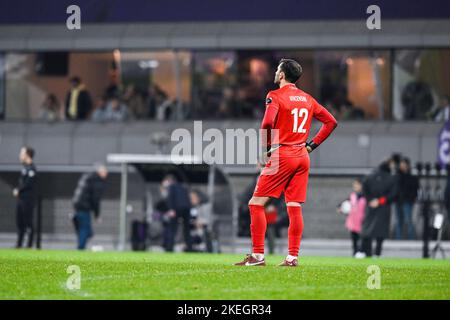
{"x": 310, "y": 146}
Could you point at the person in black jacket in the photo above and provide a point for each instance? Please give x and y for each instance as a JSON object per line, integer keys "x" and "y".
{"x": 380, "y": 190}
{"x": 78, "y": 101}
{"x": 179, "y": 205}
{"x": 26, "y": 197}
{"x": 407, "y": 194}
{"x": 86, "y": 200}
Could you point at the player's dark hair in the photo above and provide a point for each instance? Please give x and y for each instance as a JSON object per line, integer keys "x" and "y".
{"x": 75, "y": 79}
{"x": 29, "y": 151}
{"x": 292, "y": 69}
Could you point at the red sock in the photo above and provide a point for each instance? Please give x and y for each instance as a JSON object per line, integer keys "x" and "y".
{"x": 258, "y": 227}
{"x": 295, "y": 229}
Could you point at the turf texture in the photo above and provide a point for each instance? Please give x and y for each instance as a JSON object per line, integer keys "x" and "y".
{"x": 28, "y": 274}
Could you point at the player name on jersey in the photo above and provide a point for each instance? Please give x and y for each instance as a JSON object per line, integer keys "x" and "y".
{"x": 297, "y": 98}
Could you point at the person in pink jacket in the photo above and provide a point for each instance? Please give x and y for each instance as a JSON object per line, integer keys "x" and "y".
{"x": 354, "y": 208}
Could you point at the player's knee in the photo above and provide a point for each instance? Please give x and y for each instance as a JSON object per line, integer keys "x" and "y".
{"x": 257, "y": 201}
{"x": 294, "y": 204}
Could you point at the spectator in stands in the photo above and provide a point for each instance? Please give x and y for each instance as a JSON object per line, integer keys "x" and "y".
{"x": 115, "y": 110}
{"x": 50, "y": 109}
{"x": 26, "y": 197}
{"x": 443, "y": 113}
{"x": 164, "y": 106}
{"x": 78, "y": 101}
{"x": 244, "y": 107}
{"x": 355, "y": 216}
{"x": 112, "y": 90}
{"x": 179, "y": 204}
{"x": 86, "y": 200}
{"x": 100, "y": 109}
{"x": 151, "y": 101}
{"x": 407, "y": 195}
{"x": 133, "y": 99}
{"x": 380, "y": 190}
{"x": 227, "y": 107}
{"x": 201, "y": 219}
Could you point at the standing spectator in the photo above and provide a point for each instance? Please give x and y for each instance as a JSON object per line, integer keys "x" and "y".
{"x": 133, "y": 99}
{"x": 50, "y": 109}
{"x": 443, "y": 113}
{"x": 26, "y": 197}
{"x": 179, "y": 204}
{"x": 78, "y": 101}
{"x": 355, "y": 217}
{"x": 164, "y": 106}
{"x": 380, "y": 190}
{"x": 115, "y": 110}
{"x": 86, "y": 200}
{"x": 151, "y": 101}
{"x": 407, "y": 194}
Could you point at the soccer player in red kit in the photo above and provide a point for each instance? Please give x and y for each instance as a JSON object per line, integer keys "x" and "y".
{"x": 287, "y": 121}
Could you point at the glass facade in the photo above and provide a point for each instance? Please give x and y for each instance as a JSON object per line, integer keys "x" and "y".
{"x": 194, "y": 84}
{"x": 421, "y": 80}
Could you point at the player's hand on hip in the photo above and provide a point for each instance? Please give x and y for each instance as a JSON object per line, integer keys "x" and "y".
{"x": 310, "y": 146}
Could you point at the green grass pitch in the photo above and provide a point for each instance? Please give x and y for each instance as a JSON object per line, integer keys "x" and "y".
{"x": 113, "y": 275}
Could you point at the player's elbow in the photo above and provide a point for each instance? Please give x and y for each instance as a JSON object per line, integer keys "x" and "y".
{"x": 333, "y": 123}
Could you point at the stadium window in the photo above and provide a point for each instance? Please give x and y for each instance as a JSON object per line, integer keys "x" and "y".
{"x": 420, "y": 82}
{"x": 353, "y": 85}
{"x": 32, "y": 77}
{"x": 160, "y": 75}
{"x": 214, "y": 85}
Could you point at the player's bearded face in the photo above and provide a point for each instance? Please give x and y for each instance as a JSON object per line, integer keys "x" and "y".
{"x": 277, "y": 76}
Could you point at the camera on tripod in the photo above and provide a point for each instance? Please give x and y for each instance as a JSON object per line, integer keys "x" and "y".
{"x": 431, "y": 197}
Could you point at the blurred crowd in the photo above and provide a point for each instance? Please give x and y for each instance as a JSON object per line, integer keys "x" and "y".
{"x": 368, "y": 207}
{"x": 219, "y": 101}
{"x": 114, "y": 105}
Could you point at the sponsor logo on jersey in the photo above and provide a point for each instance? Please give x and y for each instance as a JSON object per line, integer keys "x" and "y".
{"x": 269, "y": 100}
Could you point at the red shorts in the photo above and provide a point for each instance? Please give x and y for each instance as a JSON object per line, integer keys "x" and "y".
{"x": 288, "y": 174}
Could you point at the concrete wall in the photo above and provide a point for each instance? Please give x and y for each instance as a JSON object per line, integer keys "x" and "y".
{"x": 353, "y": 145}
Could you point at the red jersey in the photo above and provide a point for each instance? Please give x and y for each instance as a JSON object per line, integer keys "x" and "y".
{"x": 289, "y": 112}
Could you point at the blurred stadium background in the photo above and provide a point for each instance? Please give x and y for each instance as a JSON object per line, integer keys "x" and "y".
{"x": 172, "y": 62}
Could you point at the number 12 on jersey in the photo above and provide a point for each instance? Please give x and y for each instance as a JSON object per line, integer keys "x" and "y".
{"x": 303, "y": 114}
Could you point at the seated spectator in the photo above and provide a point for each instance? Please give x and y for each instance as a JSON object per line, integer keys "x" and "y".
{"x": 50, "y": 109}
{"x": 115, "y": 110}
{"x": 100, "y": 109}
{"x": 133, "y": 99}
{"x": 442, "y": 114}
